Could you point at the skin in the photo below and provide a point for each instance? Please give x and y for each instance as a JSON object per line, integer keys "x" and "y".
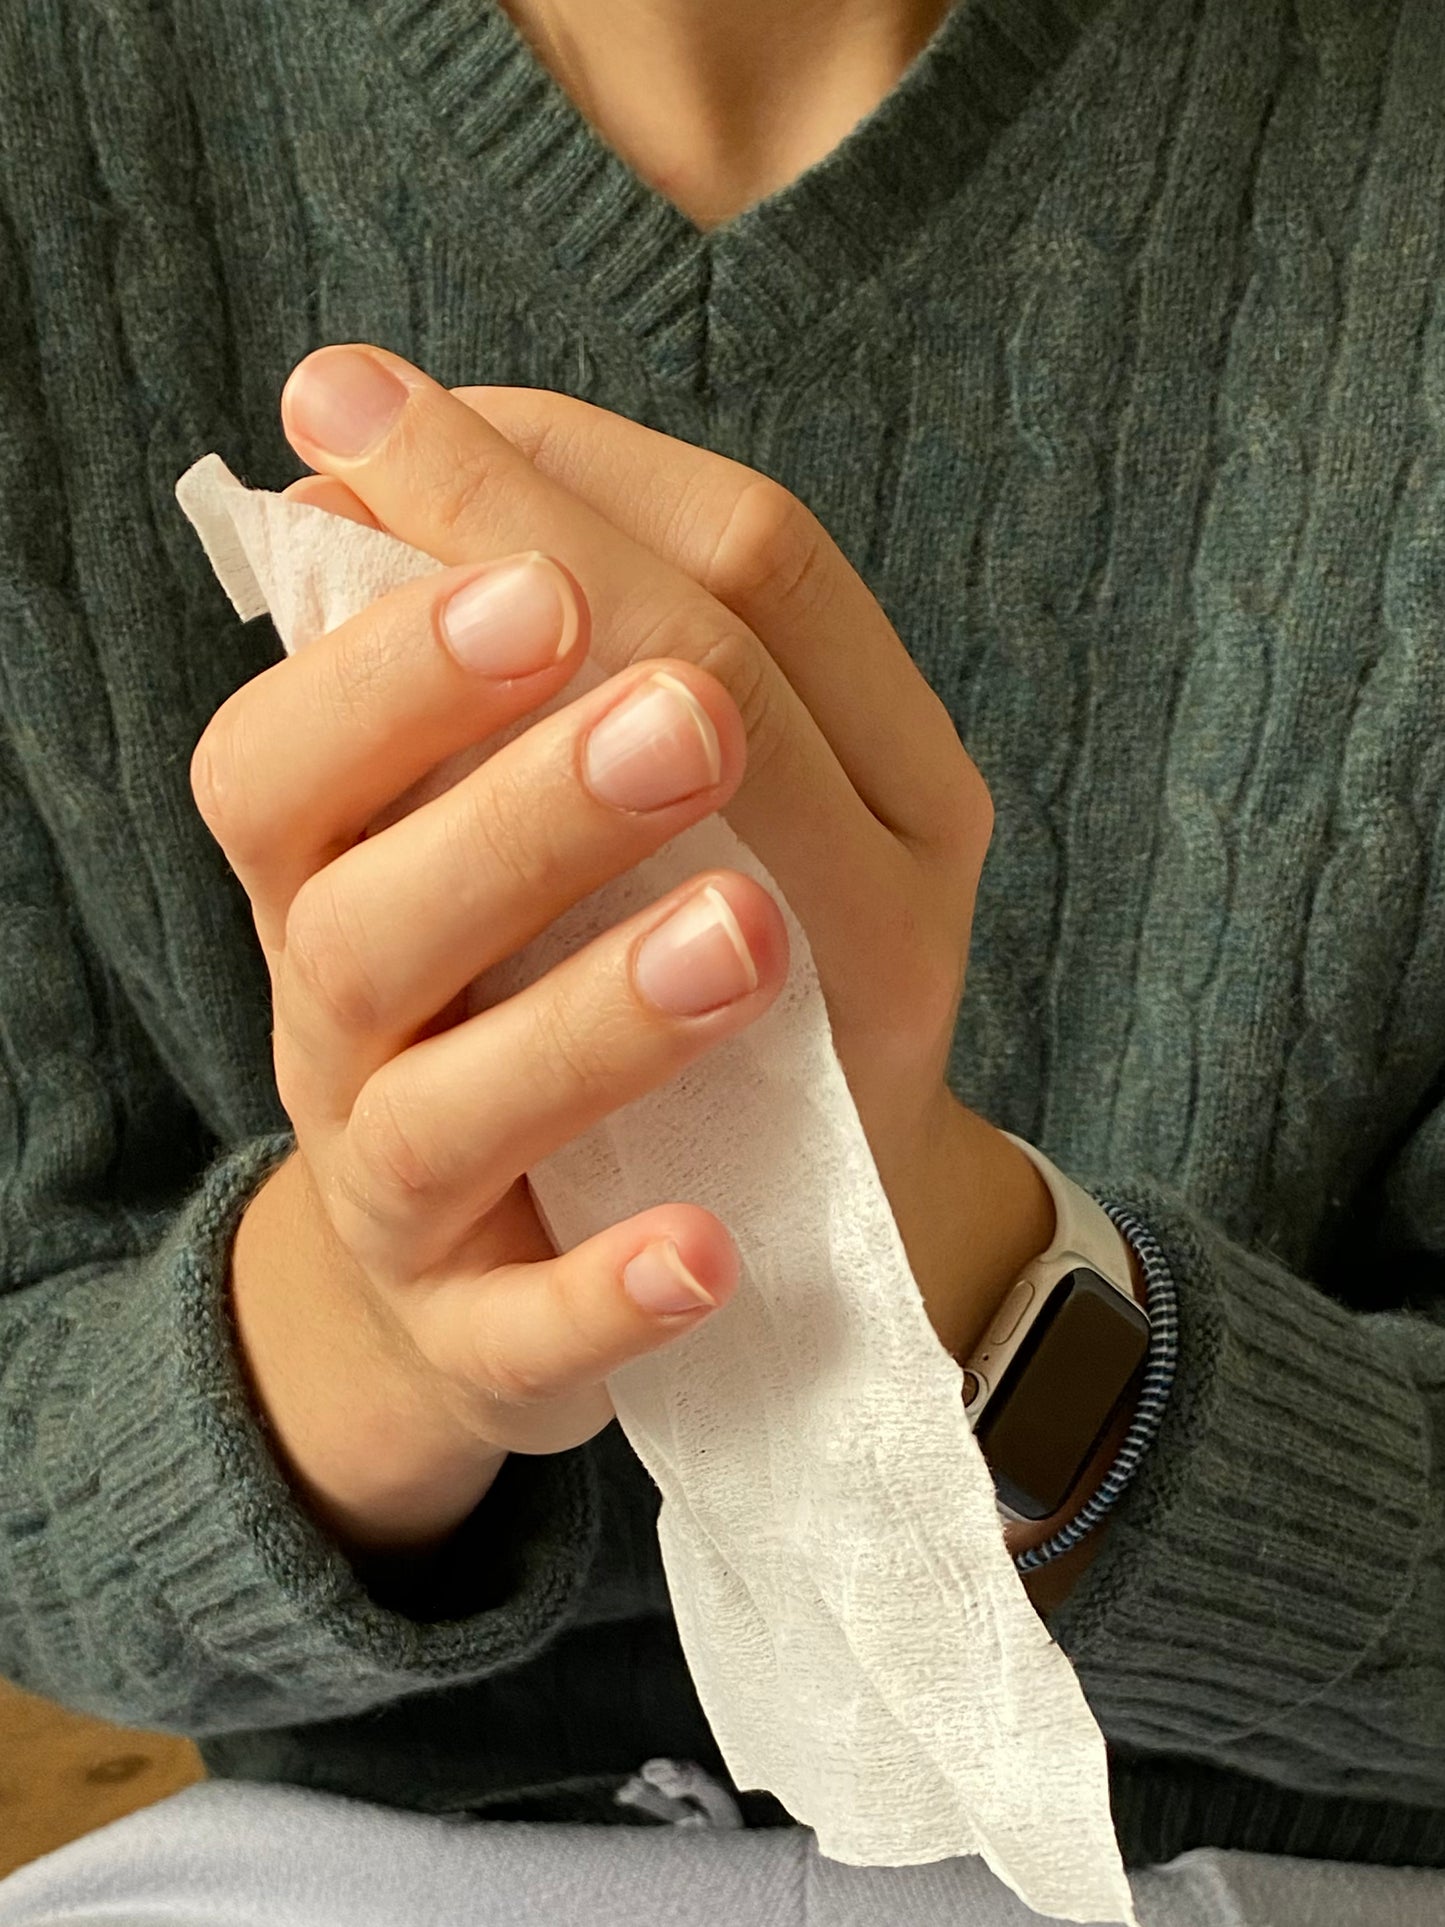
{"x": 981, "y": 1211}
{"x": 402, "y": 1337}
{"x": 718, "y": 106}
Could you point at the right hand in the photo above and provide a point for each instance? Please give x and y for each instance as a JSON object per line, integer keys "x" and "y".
{"x": 404, "y": 1318}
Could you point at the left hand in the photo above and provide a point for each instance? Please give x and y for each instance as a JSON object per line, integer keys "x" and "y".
{"x": 858, "y": 797}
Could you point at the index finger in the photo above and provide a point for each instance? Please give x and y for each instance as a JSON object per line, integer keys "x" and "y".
{"x": 767, "y": 557}
{"x": 442, "y": 479}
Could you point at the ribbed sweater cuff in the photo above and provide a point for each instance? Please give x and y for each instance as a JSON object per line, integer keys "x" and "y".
{"x": 275, "y": 1625}
{"x": 1275, "y": 1526}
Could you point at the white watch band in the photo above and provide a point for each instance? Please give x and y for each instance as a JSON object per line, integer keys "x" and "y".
{"x": 1084, "y": 1230}
{"x": 1084, "y": 1234}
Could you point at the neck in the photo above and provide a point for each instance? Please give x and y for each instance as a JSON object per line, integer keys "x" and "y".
{"x": 718, "y": 103}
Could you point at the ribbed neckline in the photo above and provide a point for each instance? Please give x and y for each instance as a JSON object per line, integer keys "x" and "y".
{"x": 704, "y": 307}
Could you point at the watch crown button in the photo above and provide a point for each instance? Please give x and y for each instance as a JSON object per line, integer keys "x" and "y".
{"x": 1012, "y": 1310}
{"x": 970, "y": 1387}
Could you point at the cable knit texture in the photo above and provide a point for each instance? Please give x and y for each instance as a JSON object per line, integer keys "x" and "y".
{"x": 1111, "y": 350}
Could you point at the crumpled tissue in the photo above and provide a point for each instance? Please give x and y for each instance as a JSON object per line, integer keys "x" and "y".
{"x": 859, "y": 1639}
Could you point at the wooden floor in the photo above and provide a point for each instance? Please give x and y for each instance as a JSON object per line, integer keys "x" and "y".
{"x": 62, "y": 1775}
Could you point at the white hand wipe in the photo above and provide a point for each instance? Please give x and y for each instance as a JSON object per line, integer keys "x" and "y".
{"x": 859, "y": 1639}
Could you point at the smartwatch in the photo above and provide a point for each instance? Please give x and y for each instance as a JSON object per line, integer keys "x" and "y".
{"x": 1064, "y": 1352}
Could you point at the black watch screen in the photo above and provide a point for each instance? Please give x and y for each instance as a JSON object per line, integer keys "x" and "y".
{"x": 1060, "y": 1392}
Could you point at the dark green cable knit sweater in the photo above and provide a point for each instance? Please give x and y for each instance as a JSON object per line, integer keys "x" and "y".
{"x": 1111, "y": 349}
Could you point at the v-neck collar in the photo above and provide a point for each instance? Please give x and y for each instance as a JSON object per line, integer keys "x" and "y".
{"x": 707, "y": 307}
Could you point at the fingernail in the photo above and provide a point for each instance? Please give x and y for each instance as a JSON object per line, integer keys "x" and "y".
{"x": 513, "y": 619}
{"x": 656, "y": 747}
{"x": 344, "y": 400}
{"x": 658, "y": 1281}
{"x": 697, "y": 960}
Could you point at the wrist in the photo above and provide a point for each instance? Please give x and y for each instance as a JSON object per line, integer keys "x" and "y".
{"x": 372, "y": 1452}
{"x": 988, "y": 1214}
{"x": 1050, "y": 1582}
{"x": 1012, "y": 1221}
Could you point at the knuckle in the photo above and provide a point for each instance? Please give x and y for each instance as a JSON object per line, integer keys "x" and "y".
{"x": 582, "y": 1037}
{"x": 465, "y": 506}
{"x": 573, "y": 1041}
{"x": 975, "y": 801}
{"x": 390, "y": 1165}
{"x": 209, "y": 786}
{"x": 294, "y": 1077}
{"x": 516, "y": 1381}
{"x": 735, "y": 657}
{"x": 325, "y": 956}
{"x": 963, "y": 811}
{"x": 695, "y": 632}
{"x": 496, "y": 831}
{"x": 352, "y": 1205}
{"x": 356, "y": 676}
{"x": 771, "y": 545}
{"x": 223, "y": 793}
{"x": 657, "y": 631}
{"x": 954, "y": 812}
{"x": 579, "y": 1352}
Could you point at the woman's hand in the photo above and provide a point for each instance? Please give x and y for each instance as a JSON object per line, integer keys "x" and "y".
{"x": 858, "y": 796}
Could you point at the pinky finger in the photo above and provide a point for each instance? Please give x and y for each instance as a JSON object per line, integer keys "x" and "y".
{"x": 531, "y": 1334}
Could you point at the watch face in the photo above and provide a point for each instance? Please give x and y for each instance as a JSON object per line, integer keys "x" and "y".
{"x": 1054, "y": 1403}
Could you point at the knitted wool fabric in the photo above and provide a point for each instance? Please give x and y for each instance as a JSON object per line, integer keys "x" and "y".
{"x": 1110, "y": 348}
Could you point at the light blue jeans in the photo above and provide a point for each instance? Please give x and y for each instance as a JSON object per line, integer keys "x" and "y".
{"x": 231, "y": 1854}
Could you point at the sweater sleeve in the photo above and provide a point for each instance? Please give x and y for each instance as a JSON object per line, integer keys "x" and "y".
{"x": 1270, "y": 1598}
{"x": 156, "y": 1568}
